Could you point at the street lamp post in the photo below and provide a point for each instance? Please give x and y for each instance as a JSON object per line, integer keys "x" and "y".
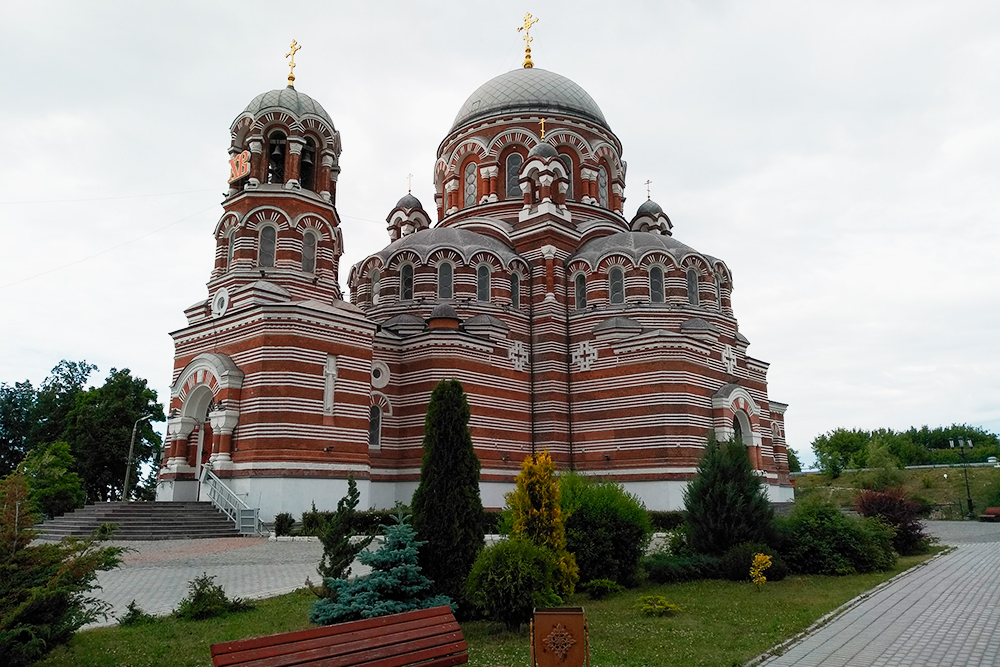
{"x": 962, "y": 444}
{"x": 131, "y": 449}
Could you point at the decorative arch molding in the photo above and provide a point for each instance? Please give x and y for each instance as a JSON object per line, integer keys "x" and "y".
{"x": 261, "y": 215}
{"x": 315, "y": 223}
{"x": 228, "y": 222}
{"x": 613, "y": 259}
{"x": 217, "y": 372}
{"x": 572, "y": 140}
{"x": 578, "y": 266}
{"x": 658, "y": 258}
{"x": 605, "y": 152}
{"x": 382, "y": 401}
{"x": 471, "y": 145}
{"x": 734, "y": 402}
{"x": 487, "y": 258}
{"x": 518, "y": 137}
{"x": 696, "y": 262}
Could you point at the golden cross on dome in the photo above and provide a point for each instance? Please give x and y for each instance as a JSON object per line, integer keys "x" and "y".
{"x": 529, "y": 21}
{"x": 409, "y": 183}
{"x": 542, "y": 123}
{"x": 648, "y": 183}
{"x": 291, "y": 63}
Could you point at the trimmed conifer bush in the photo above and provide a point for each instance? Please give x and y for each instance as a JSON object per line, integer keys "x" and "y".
{"x": 510, "y": 578}
{"x": 335, "y": 531}
{"x": 394, "y": 586}
{"x": 726, "y": 503}
{"x": 447, "y": 509}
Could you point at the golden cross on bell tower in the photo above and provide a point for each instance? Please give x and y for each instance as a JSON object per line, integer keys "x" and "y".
{"x": 542, "y": 123}
{"x": 291, "y": 63}
{"x": 648, "y": 183}
{"x": 409, "y": 183}
{"x": 529, "y": 21}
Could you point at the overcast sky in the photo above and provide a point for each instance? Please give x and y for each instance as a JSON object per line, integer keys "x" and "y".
{"x": 841, "y": 158}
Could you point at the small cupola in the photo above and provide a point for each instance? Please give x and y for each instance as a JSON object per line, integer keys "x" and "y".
{"x": 408, "y": 217}
{"x": 651, "y": 218}
{"x": 443, "y": 317}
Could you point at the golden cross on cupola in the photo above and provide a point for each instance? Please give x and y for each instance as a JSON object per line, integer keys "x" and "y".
{"x": 542, "y": 123}
{"x": 648, "y": 183}
{"x": 291, "y": 63}
{"x": 529, "y": 21}
{"x": 409, "y": 183}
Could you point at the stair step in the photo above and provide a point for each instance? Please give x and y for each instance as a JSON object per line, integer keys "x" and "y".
{"x": 143, "y": 521}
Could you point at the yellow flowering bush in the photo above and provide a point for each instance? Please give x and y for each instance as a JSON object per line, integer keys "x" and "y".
{"x": 760, "y": 563}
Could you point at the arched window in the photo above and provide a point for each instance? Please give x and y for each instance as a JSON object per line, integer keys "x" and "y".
{"x": 616, "y": 285}
{"x": 737, "y": 429}
{"x": 656, "y": 284}
{"x": 470, "y": 184}
{"x": 445, "y": 272}
{"x": 376, "y": 280}
{"x": 515, "y": 290}
{"x": 568, "y": 162}
{"x": 580, "y": 285}
{"x": 692, "y": 278}
{"x": 307, "y": 165}
{"x": 230, "y": 249}
{"x": 276, "y": 158}
{"x": 602, "y": 186}
{"x": 265, "y": 253}
{"x": 406, "y": 282}
{"x": 483, "y": 283}
{"x": 309, "y": 252}
{"x": 375, "y": 427}
{"x": 514, "y": 162}
{"x": 718, "y": 293}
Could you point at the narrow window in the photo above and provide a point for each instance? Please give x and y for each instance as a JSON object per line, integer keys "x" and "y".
{"x": 444, "y": 281}
{"x": 483, "y": 283}
{"x": 329, "y": 383}
{"x": 376, "y": 280}
{"x": 581, "y": 291}
{"x": 514, "y": 162}
{"x": 568, "y": 162}
{"x": 470, "y": 184}
{"x": 602, "y": 186}
{"x": 718, "y": 293}
{"x": 616, "y": 284}
{"x": 692, "y": 276}
{"x": 515, "y": 290}
{"x": 375, "y": 427}
{"x": 266, "y": 254}
{"x": 230, "y": 249}
{"x": 406, "y": 282}
{"x": 737, "y": 429}
{"x": 307, "y": 165}
{"x": 276, "y": 159}
{"x": 656, "y": 284}
{"x": 308, "y": 252}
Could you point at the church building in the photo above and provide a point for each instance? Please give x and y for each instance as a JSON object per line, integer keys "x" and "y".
{"x": 573, "y": 329}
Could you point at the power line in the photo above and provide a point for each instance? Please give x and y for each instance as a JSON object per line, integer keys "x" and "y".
{"x": 74, "y": 201}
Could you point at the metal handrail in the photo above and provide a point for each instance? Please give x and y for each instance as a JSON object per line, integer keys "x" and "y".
{"x": 246, "y": 518}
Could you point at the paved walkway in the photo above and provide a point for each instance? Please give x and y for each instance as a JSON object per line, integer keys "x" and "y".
{"x": 946, "y": 612}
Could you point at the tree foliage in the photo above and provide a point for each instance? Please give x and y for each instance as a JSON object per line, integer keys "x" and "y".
{"x": 537, "y": 516}
{"x": 726, "y": 503}
{"x": 17, "y": 409}
{"x": 43, "y": 588}
{"x": 335, "y": 533}
{"x": 447, "y": 508}
{"x": 54, "y": 490}
{"x": 793, "y": 461}
{"x": 395, "y": 585}
{"x": 99, "y": 431}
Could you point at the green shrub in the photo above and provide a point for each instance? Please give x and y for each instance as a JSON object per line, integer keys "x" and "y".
{"x": 492, "y": 520}
{"x": 395, "y": 584}
{"x": 598, "y": 589}
{"x": 817, "y": 538}
{"x": 134, "y": 615}
{"x": 206, "y": 599}
{"x": 607, "y": 528}
{"x": 735, "y": 565}
{"x": 283, "y": 523}
{"x": 657, "y": 605}
{"x": 894, "y": 508}
{"x": 510, "y": 578}
{"x": 335, "y": 533}
{"x": 54, "y": 490}
{"x": 665, "y": 522}
{"x": 663, "y": 569}
{"x": 366, "y": 522}
{"x": 725, "y": 502}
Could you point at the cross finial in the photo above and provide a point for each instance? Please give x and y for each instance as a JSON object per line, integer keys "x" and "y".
{"x": 542, "y": 123}
{"x": 291, "y": 63}
{"x": 529, "y": 21}
{"x": 409, "y": 183}
{"x": 648, "y": 183}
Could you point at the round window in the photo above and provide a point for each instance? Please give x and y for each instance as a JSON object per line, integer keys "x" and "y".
{"x": 220, "y": 303}
{"x": 380, "y": 374}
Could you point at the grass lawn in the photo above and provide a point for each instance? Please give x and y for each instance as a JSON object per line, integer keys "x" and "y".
{"x": 722, "y": 623}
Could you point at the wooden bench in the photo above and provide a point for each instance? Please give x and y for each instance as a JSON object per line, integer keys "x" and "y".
{"x": 990, "y": 514}
{"x": 426, "y": 637}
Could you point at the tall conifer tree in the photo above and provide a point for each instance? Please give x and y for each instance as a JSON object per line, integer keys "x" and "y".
{"x": 447, "y": 508}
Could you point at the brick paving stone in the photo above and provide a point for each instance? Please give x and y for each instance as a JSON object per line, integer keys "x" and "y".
{"x": 944, "y": 613}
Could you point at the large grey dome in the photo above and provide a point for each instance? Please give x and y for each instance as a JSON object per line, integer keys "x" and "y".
{"x": 289, "y": 99}
{"x": 530, "y": 89}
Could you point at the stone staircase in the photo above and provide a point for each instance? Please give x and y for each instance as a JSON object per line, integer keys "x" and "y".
{"x": 143, "y": 521}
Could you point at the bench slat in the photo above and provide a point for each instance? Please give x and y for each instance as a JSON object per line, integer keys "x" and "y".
{"x": 412, "y": 629}
{"x": 353, "y": 653}
{"x": 423, "y": 658}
